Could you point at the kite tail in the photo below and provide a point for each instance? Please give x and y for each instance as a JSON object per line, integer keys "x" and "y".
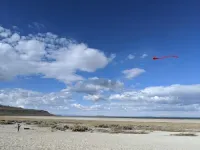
{"x": 168, "y": 57}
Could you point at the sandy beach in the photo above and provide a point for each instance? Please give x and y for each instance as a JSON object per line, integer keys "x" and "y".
{"x": 42, "y": 138}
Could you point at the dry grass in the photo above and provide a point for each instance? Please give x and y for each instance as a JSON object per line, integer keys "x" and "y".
{"x": 80, "y": 128}
{"x": 102, "y": 126}
{"x": 117, "y": 126}
{"x": 151, "y": 126}
{"x": 44, "y": 124}
{"x": 102, "y": 130}
{"x": 137, "y": 132}
{"x": 126, "y": 129}
{"x": 114, "y": 126}
{"x": 60, "y": 127}
{"x": 4, "y": 122}
{"x": 184, "y": 134}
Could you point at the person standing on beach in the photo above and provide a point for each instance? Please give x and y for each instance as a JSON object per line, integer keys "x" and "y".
{"x": 18, "y": 127}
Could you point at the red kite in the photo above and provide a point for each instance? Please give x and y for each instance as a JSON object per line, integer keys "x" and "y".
{"x": 155, "y": 58}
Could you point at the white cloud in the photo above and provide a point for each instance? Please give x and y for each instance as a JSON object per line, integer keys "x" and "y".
{"x": 113, "y": 56}
{"x": 179, "y": 98}
{"x": 154, "y": 100}
{"x": 87, "y": 108}
{"x": 31, "y": 50}
{"x": 144, "y": 55}
{"x": 132, "y": 73}
{"x": 107, "y": 83}
{"x": 93, "y": 78}
{"x": 174, "y": 94}
{"x": 168, "y": 99}
{"x": 152, "y": 108}
{"x": 130, "y": 56}
{"x": 32, "y": 99}
{"x": 47, "y": 55}
{"x": 36, "y": 25}
{"x": 4, "y": 33}
{"x": 95, "y": 97}
{"x": 81, "y": 87}
{"x": 15, "y": 27}
{"x": 11, "y": 64}
{"x": 96, "y": 85}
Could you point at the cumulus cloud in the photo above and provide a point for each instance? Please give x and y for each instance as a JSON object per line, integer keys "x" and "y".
{"x": 82, "y": 87}
{"x": 132, "y": 73}
{"x": 88, "y": 108}
{"x": 144, "y": 55}
{"x": 14, "y": 38}
{"x": 174, "y": 98}
{"x": 96, "y": 85}
{"x": 4, "y": 33}
{"x": 107, "y": 83}
{"x": 31, "y": 99}
{"x": 48, "y": 55}
{"x": 130, "y": 56}
{"x": 95, "y": 97}
{"x": 174, "y": 94}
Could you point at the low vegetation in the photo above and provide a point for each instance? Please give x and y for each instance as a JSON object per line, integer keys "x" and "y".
{"x": 126, "y": 130}
{"x": 7, "y": 122}
{"x": 117, "y": 126}
{"x": 102, "y": 130}
{"x": 137, "y": 132}
{"x": 126, "y": 127}
{"x": 60, "y": 127}
{"x": 45, "y": 124}
{"x": 80, "y": 128}
{"x": 102, "y": 126}
{"x": 185, "y": 134}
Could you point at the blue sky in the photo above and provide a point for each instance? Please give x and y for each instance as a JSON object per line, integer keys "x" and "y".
{"x": 86, "y": 57}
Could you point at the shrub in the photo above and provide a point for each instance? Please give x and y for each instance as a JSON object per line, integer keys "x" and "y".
{"x": 79, "y": 128}
{"x": 6, "y": 122}
{"x": 44, "y": 124}
{"x": 28, "y": 122}
{"x": 66, "y": 127}
{"x": 116, "y": 129}
{"x": 127, "y": 127}
{"x": 102, "y": 130}
{"x": 115, "y": 126}
{"x": 59, "y": 127}
{"x": 102, "y": 126}
{"x": 184, "y": 134}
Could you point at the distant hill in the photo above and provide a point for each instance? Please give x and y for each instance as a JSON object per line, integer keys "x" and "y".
{"x": 18, "y": 111}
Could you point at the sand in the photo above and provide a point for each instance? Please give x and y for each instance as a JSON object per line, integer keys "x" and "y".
{"x": 43, "y": 139}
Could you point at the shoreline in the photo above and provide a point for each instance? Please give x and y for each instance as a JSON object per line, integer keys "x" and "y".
{"x": 101, "y": 119}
